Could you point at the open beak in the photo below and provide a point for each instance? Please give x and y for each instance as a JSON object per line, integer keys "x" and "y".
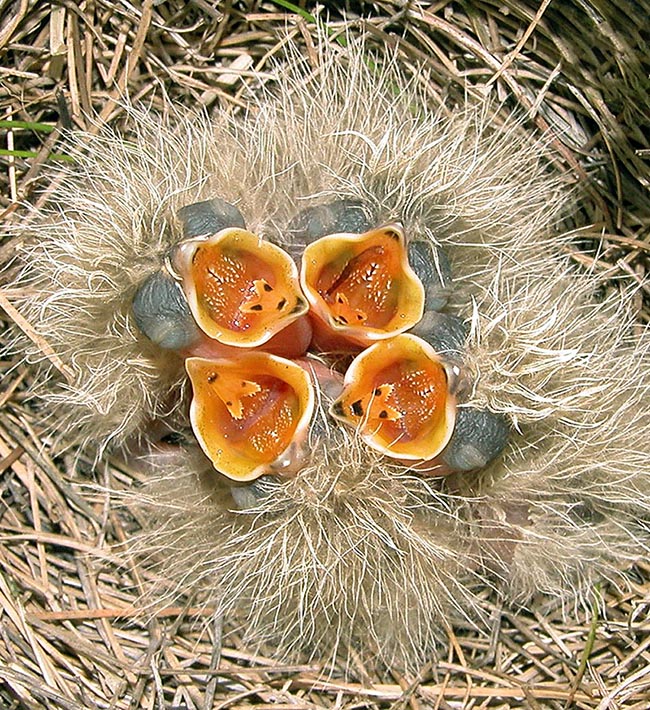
{"x": 241, "y": 290}
{"x": 360, "y": 286}
{"x": 397, "y": 396}
{"x": 249, "y": 413}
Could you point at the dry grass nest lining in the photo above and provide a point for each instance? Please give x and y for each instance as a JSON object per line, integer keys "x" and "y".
{"x": 623, "y": 223}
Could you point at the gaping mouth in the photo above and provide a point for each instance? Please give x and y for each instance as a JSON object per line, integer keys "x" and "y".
{"x": 247, "y": 412}
{"x": 361, "y": 285}
{"x": 241, "y": 290}
{"x": 396, "y": 395}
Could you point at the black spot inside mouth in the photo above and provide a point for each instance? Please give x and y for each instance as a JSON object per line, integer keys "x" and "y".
{"x": 267, "y": 287}
{"x": 383, "y": 414}
{"x": 228, "y": 403}
{"x": 341, "y": 319}
{"x": 256, "y": 307}
{"x": 357, "y": 408}
{"x": 281, "y": 304}
{"x": 300, "y": 304}
{"x": 378, "y": 392}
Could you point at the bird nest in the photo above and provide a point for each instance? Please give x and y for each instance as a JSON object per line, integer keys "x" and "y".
{"x": 511, "y": 138}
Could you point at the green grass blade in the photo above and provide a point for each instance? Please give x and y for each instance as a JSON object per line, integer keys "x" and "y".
{"x": 309, "y": 17}
{"x": 28, "y": 125}
{"x": 33, "y": 154}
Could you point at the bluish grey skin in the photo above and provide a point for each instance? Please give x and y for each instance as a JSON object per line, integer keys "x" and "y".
{"x": 445, "y": 333}
{"x": 479, "y": 437}
{"x": 161, "y": 312}
{"x": 209, "y": 217}
{"x": 250, "y": 496}
{"x": 432, "y": 267}
{"x": 334, "y": 217}
{"x": 159, "y": 306}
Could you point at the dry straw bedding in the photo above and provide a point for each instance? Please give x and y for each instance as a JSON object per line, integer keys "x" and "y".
{"x": 71, "y": 634}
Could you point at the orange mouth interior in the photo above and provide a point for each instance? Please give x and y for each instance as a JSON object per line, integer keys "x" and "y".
{"x": 238, "y": 290}
{"x": 363, "y": 281}
{"x": 241, "y": 289}
{"x": 360, "y": 285}
{"x": 398, "y": 401}
{"x": 247, "y": 412}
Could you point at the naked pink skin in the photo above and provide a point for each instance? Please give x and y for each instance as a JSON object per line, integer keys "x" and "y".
{"x": 291, "y": 342}
{"x": 327, "y": 340}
